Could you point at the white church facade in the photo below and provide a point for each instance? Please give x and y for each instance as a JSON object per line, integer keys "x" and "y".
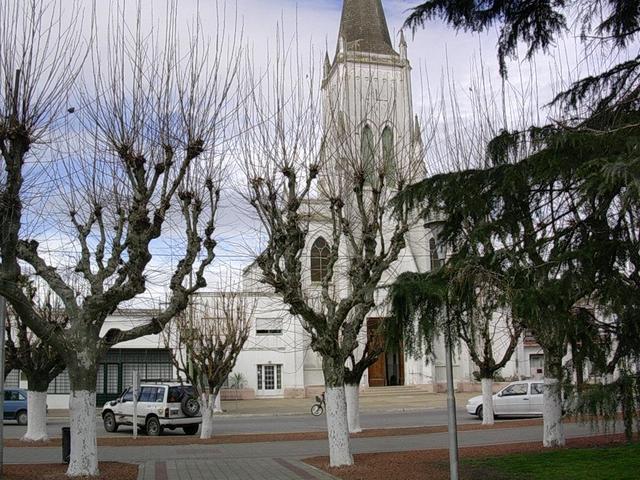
{"x": 366, "y": 88}
{"x": 366, "y": 91}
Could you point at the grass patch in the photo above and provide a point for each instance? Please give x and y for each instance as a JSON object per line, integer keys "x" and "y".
{"x": 617, "y": 462}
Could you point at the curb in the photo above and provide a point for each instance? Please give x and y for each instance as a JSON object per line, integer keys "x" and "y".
{"x": 291, "y": 414}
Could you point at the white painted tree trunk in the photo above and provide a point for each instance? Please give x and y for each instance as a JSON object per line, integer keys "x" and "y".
{"x": 352, "y": 393}
{"x": 337, "y": 427}
{"x": 207, "y": 406}
{"x": 84, "y": 447}
{"x": 552, "y": 414}
{"x": 217, "y": 408}
{"x": 37, "y": 423}
{"x": 487, "y": 401}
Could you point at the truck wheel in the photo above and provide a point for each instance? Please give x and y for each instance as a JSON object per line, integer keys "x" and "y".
{"x": 190, "y": 429}
{"x": 153, "y": 427}
{"x": 109, "y": 420}
{"x": 22, "y": 417}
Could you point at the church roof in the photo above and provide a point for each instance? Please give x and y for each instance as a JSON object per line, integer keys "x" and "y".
{"x": 364, "y": 27}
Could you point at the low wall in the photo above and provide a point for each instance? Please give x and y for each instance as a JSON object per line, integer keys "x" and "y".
{"x": 240, "y": 394}
{"x": 59, "y": 402}
{"x": 311, "y": 391}
{"x": 294, "y": 393}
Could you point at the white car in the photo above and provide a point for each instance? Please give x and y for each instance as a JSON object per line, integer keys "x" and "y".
{"x": 160, "y": 405}
{"x": 518, "y": 399}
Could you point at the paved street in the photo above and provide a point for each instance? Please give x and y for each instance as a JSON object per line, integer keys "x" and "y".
{"x": 197, "y": 462}
{"x": 293, "y": 415}
{"x": 276, "y": 424}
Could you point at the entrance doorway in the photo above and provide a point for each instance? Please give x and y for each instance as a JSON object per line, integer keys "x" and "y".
{"x": 389, "y": 368}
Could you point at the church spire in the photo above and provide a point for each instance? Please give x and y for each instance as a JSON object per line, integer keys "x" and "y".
{"x": 364, "y": 27}
{"x": 327, "y": 65}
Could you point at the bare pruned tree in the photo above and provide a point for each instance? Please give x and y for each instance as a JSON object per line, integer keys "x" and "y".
{"x": 39, "y": 361}
{"x": 205, "y": 345}
{"x": 142, "y": 163}
{"x": 315, "y": 169}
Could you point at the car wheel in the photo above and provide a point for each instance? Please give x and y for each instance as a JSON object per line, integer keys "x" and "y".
{"x": 479, "y": 412}
{"x": 109, "y": 420}
{"x": 22, "y": 417}
{"x": 190, "y": 406}
{"x": 190, "y": 429}
{"x": 153, "y": 427}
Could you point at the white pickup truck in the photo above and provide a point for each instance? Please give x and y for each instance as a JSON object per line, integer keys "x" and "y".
{"x": 160, "y": 405}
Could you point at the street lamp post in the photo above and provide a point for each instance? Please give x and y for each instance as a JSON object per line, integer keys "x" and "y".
{"x": 432, "y": 225}
{"x": 451, "y": 407}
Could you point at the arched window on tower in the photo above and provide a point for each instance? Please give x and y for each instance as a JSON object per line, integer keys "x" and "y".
{"x": 367, "y": 153}
{"x": 319, "y": 259}
{"x": 388, "y": 156}
{"x": 342, "y": 126}
{"x": 434, "y": 254}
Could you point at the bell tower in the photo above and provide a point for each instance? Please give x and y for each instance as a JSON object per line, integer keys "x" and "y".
{"x": 367, "y": 101}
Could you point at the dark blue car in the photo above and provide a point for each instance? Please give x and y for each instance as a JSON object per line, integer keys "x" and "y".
{"x": 15, "y": 405}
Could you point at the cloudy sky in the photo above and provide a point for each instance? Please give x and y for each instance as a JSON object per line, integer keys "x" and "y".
{"x": 437, "y": 54}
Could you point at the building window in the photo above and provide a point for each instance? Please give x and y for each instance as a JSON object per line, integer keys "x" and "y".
{"x": 60, "y": 384}
{"x": 269, "y": 377}
{"x": 388, "y": 155}
{"x": 268, "y": 326}
{"x": 100, "y": 379}
{"x": 434, "y": 254}
{"x": 13, "y": 379}
{"x": 367, "y": 154}
{"x": 319, "y": 260}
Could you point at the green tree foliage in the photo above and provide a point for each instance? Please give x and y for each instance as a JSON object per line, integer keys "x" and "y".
{"x": 537, "y": 24}
{"x": 462, "y": 300}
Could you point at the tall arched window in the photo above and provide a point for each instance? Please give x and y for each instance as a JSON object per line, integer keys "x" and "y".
{"x": 319, "y": 259}
{"x": 388, "y": 155}
{"x": 342, "y": 126}
{"x": 436, "y": 261}
{"x": 367, "y": 152}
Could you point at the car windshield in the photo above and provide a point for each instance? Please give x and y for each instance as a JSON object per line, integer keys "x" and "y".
{"x": 176, "y": 394}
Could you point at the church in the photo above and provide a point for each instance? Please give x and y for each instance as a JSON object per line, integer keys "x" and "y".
{"x": 367, "y": 99}
{"x": 367, "y": 106}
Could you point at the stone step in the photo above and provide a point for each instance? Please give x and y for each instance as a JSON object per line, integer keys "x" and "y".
{"x": 393, "y": 391}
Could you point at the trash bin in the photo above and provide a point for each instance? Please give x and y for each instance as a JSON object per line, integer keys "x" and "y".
{"x": 66, "y": 444}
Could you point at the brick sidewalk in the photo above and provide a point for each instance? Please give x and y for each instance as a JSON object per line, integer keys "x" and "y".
{"x": 231, "y": 469}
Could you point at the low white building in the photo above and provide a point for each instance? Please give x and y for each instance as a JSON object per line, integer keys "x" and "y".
{"x": 147, "y": 355}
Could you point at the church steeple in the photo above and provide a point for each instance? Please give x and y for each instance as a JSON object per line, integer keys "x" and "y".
{"x": 363, "y": 27}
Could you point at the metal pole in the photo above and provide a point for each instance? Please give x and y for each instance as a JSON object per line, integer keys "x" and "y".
{"x": 3, "y": 323}
{"x": 135, "y": 404}
{"x": 451, "y": 410}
